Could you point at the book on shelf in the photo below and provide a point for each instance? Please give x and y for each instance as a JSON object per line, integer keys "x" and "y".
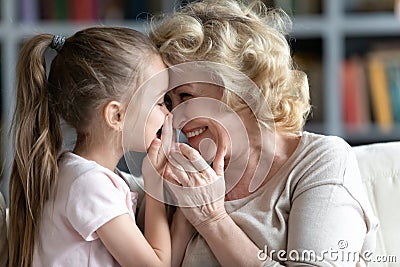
{"x": 143, "y": 10}
{"x": 369, "y": 6}
{"x": 29, "y": 10}
{"x": 138, "y": 10}
{"x": 296, "y": 7}
{"x": 61, "y": 10}
{"x": 307, "y": 7}
{"x": 393, "y": 75}
{"x": 92, "y": 10}
{"x": 355, "y": 97}
{"x": 155, "y": 7}
{"x": 112, "y": 9}
{"x": 77, "y": 10}
{"x": 47, "y": 9}
{"x": 83, "y": 10}
{"x": 1, "y": 81}
{"x": 311, "y": 64}
{"x": 379, "y": 89}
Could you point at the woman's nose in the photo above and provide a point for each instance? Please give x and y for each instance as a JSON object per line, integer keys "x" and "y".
{"x": 180, "y": 116}
{"x": 173, "y": 105}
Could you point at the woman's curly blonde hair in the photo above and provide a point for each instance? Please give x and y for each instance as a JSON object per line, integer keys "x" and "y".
{"x": 249, "y": 38}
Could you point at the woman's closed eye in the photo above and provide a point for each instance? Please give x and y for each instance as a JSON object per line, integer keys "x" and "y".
{"x": 185, "y": 96}
{"x": 168, "y": 102}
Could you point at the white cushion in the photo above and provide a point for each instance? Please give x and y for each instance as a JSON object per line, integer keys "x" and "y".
{"x": 380, "y": 170}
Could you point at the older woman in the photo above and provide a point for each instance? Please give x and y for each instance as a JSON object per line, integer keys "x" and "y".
{"x": 292, "y": 197}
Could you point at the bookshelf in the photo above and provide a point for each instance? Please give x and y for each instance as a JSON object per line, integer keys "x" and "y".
{"x": 346, "y": 31}
{"x": 325, "y": 33}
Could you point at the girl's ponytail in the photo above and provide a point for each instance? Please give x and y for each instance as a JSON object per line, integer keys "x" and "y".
{"x": 37, "y": 141}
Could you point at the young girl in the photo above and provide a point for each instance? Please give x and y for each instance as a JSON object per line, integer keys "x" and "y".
{"x": 72, "y": 209}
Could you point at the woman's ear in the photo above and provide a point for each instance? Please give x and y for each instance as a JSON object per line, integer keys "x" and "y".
{"x": 113, "y": 113}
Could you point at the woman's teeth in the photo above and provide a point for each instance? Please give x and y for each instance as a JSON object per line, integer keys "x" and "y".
{"x": 195, "y": 132}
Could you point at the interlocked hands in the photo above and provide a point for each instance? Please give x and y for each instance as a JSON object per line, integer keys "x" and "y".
{"x": 197, "y": 188}
{"x": 194, "y": 186}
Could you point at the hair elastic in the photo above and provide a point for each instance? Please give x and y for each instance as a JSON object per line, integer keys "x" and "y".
{"x": 58, "y": 42}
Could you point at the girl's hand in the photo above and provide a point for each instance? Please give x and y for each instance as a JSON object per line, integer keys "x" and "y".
{"x": 197, "y": 188}
{"x": 155, "y": 162}
{"x": 180, "y": 222}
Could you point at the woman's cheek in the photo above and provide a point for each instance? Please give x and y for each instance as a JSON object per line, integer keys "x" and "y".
{"x": 208, "y": 149}
{"x": 218, "y": 140}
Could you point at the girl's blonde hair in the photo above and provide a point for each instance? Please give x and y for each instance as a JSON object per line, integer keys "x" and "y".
{"x": 95, "y": 65}
{"x": 250, "y": 39}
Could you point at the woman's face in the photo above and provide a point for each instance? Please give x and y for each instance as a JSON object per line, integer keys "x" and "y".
{"x": 197, "y": 113}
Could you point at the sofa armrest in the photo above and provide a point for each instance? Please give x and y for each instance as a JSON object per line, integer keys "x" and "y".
{"x": 380, "y": 171}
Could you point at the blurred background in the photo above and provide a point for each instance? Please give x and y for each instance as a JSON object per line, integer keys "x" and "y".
{"x": 350, "y": 50}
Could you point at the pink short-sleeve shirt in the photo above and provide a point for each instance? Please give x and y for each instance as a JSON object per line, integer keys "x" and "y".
{"x": 87, "y": 196}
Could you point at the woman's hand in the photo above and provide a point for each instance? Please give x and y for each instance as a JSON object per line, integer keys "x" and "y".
{"x": 199, "y": 191}
{"x": 154, "y": 163}
{"x": 196, "y": 187}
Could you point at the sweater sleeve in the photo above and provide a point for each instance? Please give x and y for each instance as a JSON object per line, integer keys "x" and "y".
{"x": 330, "y": 218}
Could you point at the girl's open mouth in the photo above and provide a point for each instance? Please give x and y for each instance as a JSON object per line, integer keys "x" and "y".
{"x": 159, "y": 133}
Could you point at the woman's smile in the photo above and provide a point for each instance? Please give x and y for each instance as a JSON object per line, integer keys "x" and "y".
{"x": 195, "y": 132}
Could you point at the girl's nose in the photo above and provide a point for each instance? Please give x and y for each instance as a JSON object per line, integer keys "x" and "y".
{"x": 165, "y": 110}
